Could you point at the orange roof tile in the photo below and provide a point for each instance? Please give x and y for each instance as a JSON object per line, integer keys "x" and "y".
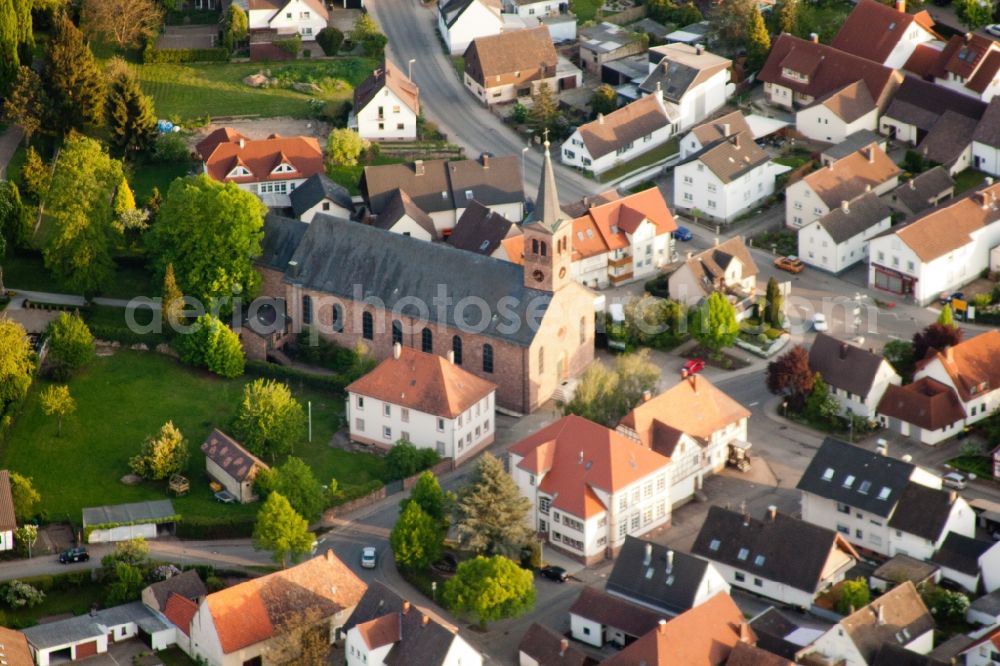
{"x": 254, "y": 611}
{"x": 693, "y": 406}
{"x": 949, "y": 226}
{"x": 381, "y": 631}
{"x": 205, "y": 147}
{"x": 260, "y": 157}
{"x": 514, "y": 247}
{"x": 702, "y": 636}
{"x": 605, "y": 227}
{"x": 575, "y": 457}
{"x": 14, "y": 649}
{"x": 180, "y": 611}
{"x": 972, "y": 364}
{"x": 850, "y": 176}
{"x": 425, "y": 382}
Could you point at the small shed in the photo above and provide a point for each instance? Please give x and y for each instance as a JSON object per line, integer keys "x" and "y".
{"x": 230, "y": 464}
{"x": 900, "y": 569}
{"x": 121, "y": 522}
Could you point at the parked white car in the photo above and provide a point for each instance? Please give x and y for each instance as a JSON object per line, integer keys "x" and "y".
{"x": 368, "y": 557}
{"x": 819, "y": 323}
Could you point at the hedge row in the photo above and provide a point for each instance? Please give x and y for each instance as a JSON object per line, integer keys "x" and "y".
{"x": 176, "y": 56}
{"x": 334, "y": 383}
{"x": 203, "y": 528}
{"x": 352, "y": 493}
{"x": 126, "y": 336}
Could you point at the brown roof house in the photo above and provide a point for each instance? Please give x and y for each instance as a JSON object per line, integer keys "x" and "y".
{"x": 884, "y": 34}
{"x": 597, "y": 618}
{"x": 480, "y": 230}
{"x": 918, "y": 106}
{"x": 500, "y": 68}
{"x": 541, "y": 646}
{"x": 986, "y": 140}
{"x": 187, "y": 584}
{"x": 233, "y": 466}
{"x": 727, "y": 267}
{"x": 923, "y": 192}
{"x": 868, "y": 169}
{"x": 386, "y": 105}
{"x": 857, "y": 377}
{"x": 8, "y": 521}
{"x": 425, "y": 399}
{"x": 968, "y": 63}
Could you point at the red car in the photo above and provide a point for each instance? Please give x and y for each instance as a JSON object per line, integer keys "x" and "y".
{"x": 693, "y": 366}
{"x": 791, "y": 263}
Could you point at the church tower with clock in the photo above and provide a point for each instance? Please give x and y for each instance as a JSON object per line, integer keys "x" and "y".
{"x": 548, "y": 237}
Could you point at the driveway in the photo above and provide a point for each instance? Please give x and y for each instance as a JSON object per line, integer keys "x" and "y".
{"x": 411, "y": 28}
{"x": 188, "y": 37}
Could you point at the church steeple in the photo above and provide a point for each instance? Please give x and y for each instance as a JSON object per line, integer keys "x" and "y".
{"x": 548, "y": 236}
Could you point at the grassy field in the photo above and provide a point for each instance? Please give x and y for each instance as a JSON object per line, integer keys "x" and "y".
{"x": 76, "y": 600}
{"x": 123, "y": 398}
{"x": 968, "y": 179}
{"x": 217, "y": 89}
{"x": 644, "y": 160}
{"x": 350, "y": 176}
{"x": 585, "y": 10}
{"x": 145, "y": 176}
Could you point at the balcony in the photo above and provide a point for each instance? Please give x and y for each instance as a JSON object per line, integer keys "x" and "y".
{"x": 619, "y": 279}
{"x": 620, "y": 263}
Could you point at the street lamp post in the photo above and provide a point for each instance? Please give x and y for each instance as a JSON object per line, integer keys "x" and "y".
{"x": 409, "y": 68}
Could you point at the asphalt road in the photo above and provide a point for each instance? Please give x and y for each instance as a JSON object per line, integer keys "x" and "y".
{"x": 412, "y": 31}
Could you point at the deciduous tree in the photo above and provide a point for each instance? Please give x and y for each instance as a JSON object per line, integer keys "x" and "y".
{"x": 71, "y": 345}
{"x": 899, "y": 354}
{"x": 15, "y": 225}
{"x": 367, "y": 35}
{"x": 35, "y": 175}
{"x": 604, "y": 100}
{"x": 173, "y": 300}
{"x": 789, "y": 375}
{"x": 714, "y": 325}
{"x": 974, "y": 14}
{"x": 343, "y": 147}
{"x": 26, "y": 498}
{"x": 17, "y": 361}
{"x": 237, "y": 26}
{"x": 127, "y": 23}
{"x": 73, "y": 81}
{"x": 57, "y": 401}
{"x": 544, "y": 113}
{"x": 490, "y": 589}
{"x": 935, "y": 337}
{"x": 18, "y": 594}
{"x": 161, "y": 455}
{"x": 127, "y": 584}
{"x": 297, "y": 483}
{"x": 282, "y": 531}
{"x": 821, "y": 407}
{"x": 415, "y": 539}
{"x": 405, "y": 459}
{"x": 434, "y": 501}
{"x": 214, "y": 346}
{"x": 26, "y": 104}
{"x": 491, "y": 515}
{"x": 731, "y": 21}
{"x": 604, "y": 395}
{"x": 854, "y": 595}
{"x": 270, "y": 420}
{"x": 128, "y": 111}
{"x": 330, "y": 39}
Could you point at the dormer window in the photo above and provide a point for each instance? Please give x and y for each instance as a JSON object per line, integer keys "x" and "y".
{"x": 239, "y": 172}
{"x": 849, "y": 481}
{"x": 468, "y": 194}
{"x": 714, "y": 545}
{"x": 792, "y": 74}
{"x": 828, "y": 474}
{"x": 884, "y": 493}
{"x": 284, "y": 167}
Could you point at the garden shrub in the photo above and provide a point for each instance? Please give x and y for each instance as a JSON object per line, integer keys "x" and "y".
{"x": 330, "y": 40}
{"x": 150, "y": 54}
{"x": 290, "y": 46}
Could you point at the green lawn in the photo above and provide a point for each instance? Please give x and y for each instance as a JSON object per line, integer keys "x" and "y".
{"x": 217, "y": 89}
{"x": 75, "y": 600}
{"x": 143, "y": 177}
{"x": 174, "y": 657}
{"x": 644, "y": 160}
{"x": 981, "y": 466}
{"x": 968, "y": 179}
{"x": 824, "y": 18}
{"x": 121, "y": 400}
{"x": 350, "y": 176}
{"x": 585, "y": 10}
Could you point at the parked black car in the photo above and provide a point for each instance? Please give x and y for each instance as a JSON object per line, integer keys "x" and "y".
{"x": 557, "y": 574}
{"x": 71, "y": 555}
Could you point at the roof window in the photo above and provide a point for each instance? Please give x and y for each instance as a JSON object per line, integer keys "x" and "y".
{"x": 759, "y": 560}
{"x": 849, "y": 481}
{"x": 865, "y": 487}
{"x": 743, "y": 554}
{"x": 828, "y": 474}
{"x": 884, "y": 493}
{"x": 714, "y": 545}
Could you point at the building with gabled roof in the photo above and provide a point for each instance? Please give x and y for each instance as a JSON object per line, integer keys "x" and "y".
{"x": 898, "y": 617}
{"x": 605, "y": 42}
{"x": 924, "y": 517}
{"x": 401, "y": 215}
{"x": 857, "y": 377}
{"x": 972, "y": 563}
{"x": 949, "y": 142}
{"x": 940, "y": 250}
{"x": 968, "y": 63}
{"x": 839, "y": 239}
{"x": 8, "y": 517}
{"x": 582, "y": 479}
{"x": 211, "y": 141}
{"x": 923, "y": 192}
{"x": 14, "y": 650}
{"x": 777, "y": 633}
{"x": 971, "y": 371}
{"x": 187, "y": 584}
{"x": 386, "y": 105}
{"x": 984, "y": 646}
{"x": 480, "y": 230}
{"x": 918, "y": 106}
{"x": 925, "y": 410}
{"x": 425, "y": 399}
{"x": 462, "y": 21}
{"x": 838, "y": 114}
{"x": 695, "y": 81}
{"x": 541, "y": 646}
{"x": 728, "y": 268}
{"x": 500, "y": 68}
{"x": 884, "y": 34}
{"x": 230, "y": 464}
{"x": 319, "y": 194}
{"x": 692, "y": 423}
{"x": 986, "y": 140}
{"x": 280, "y": 19}
{"x": 598, "y": 618}
{"x": 711, "y": 131}
{"x": 900, "y": 568}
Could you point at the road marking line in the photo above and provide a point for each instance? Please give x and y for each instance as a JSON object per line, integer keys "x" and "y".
{"x": 753, "y": 404}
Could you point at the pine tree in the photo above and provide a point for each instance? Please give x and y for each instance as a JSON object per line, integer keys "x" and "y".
{"x": 237, "y": 26}
{"x": 129, "y": 113}
{"x": 774, "y": 312}
{"x": 491, "y": 514}
{"x": 25, "y": 106}
{"x": 544, "y": 110}
{"x": 124, "y": 199}
{"x": 35, "y": 175}
{"x": 788, "y": 16}
{"x": 946, "y": 318}
{"x": 72, "y": 78}
{"x": 173, "y": 300}
{"x": 758, "y": 41}
{"x": 25, "y": 29}
{"x": 154, "y": 202}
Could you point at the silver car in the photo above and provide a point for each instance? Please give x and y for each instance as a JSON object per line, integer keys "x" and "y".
{"x": 954, "y": 480}
{"x": 368, "y": 557}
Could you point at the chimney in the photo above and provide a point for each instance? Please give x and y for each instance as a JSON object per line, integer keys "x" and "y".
{"x": 563, "y": 646}
{"x": 649, "y": 555}
{"x": 736, "y": 140}
{"x": 716, "y": 241}
{"x": 843, "y": 350}
{"x": 670, "y": 561}
{"x": 880, "y": 615}
{"x": 845, "y": 206}
{"x": 243, "y": 142}
{"x": 949, "y": 354}
{"x": 293, "y": 269}
{"x": 659, "y": 91}
{"x": 486, "y": 160}
{"x": 425, "y": 620}
{"x": 697, "y": 49}
{"x": 600, "y": 118}
{"x": 406, "y": 607}
{"x": 901, "y": 6}
{"x": 746, "y": 636}
{"x": 912, "y": 185}
{"x": 952, "y": 496}
{"x": 397, "y": 349}
{"x": 989, "y": 180}
{"x": 725, "y": 129}
{"x": 814, "y": 38}
{"x": 647, "y": 395}
{"x": 451, "y": 356}
{"x": 329, "y": 555}
{"x": 984, "y": 199}
{"x": 689, "y": 255}
{"x": 662, "y": 627}
{"x": 418, "y": 167}
{"x": 581, "y": 457}
{"x": 869, "y": 152}
{"x": 772, "y": 512}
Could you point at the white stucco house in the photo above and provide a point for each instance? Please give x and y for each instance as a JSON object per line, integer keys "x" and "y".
{"x": 972, "y": 563}
{"x": 883, "y": 33}
{"x": 857, "y": 378}
{"x": 292, "y": 17}
{"x": 986, "y": 140}
{"x": 835, "y": 116}
{"x": 692, "y": 79}
{"x": 939, "y": 251}
{"x": 425, "y": 399}
{"x": 590, "y": 486}
{"x": 839, "y": 239}
{"x": 461, "y": 21}
{"x": 319, "y": 194}
{"x": 970, "y": 64}
{"x": 727, "y": 267}
{"x": 969, "y": 371}
{"x": 386, "y": 106}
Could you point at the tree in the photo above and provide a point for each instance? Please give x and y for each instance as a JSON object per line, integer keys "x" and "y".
{"x": 946, "y": 318}
{"x": 491, "y": 589}
{"x": 435, "y": 502}
{"x": 128, "y": 111}
{"x": 367, "y": 35}
{"x": 18, "y": 594}
{"x": 935, "y": 337}
{"x": 173, "y": 300}
{"x": 72, "y": 79}
{"x": 213, "y": 345}
{"x": 127, "y": 23}
{"x": 17, "y": 362}
{"x": 56, "y": 400}
{"x": 26, "y": 498}
{"x": 237, "y": 27}
{"x": 415, "y": 539}
{"x": 127, "y": 584}
{"x": 775, "y": 306}
{"x": 35, "y": 175}
{"x": 25, "y": 105}
{"x": 789, "y": 375}
{"x": 405, "y": 459}
{"x": 714, "y": 325}
{"x": 944, "y": 605}
{"x": 304, "y": 638}
{"x": 171, "y": 147}
{"x": 854, "y": 594}
{"x": 282, "y": 531}
{"x": 15, "y": 226}
{"x": 343, "y": 147}
{"x": 544, "y": 112}
{"x": 270, "y": 419}
{"x": 606, "y": 395}
{"x": 491, "y": 514}
{"x": 974, "y": 14}
{"x": 899, "y": 354}
{"x": 71, "y": 345}
{"x": 731, "y": 21}
{"x": 11, "y": 31}
{"x": 330, "y": 39}
{"x": 25, "y": 537}
{"x": 297, "y": 483}
{"x": 821, "y": 407}
{"x": 134, "y": 552}
{"x": 604, "y": 100}
{"x": 787, "y": 15}
{"x": 81, "y": 248}
{"x": 162, "y": 454}
{"x": 758, "y": 41}
{"x": 210, "y": 232}
{"x": 153, "y": 204}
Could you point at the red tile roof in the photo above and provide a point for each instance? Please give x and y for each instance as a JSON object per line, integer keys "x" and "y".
{"x": 923, "y": 61}
{"x": 387, "y": 76}
{"x": 926, "y": 403}
{"x": 14, "y": 650}
{"x": 261, "y": 157}
{"x": 872, "y": 30}
{"x": 951, "y": 225}
{"x": 381, "y": 631}
{"x": 972, "y": 364}
{"x": 852, "y": 176}
{"x": 180, "y": 611}
{"x": 205, "y": 147}
{"x": 424, "y": 382}
{"x": 575, "y": 456}
{"x": 605, "y": 227}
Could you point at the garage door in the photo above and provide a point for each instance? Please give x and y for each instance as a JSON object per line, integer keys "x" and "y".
{"x": 86, "y": 649}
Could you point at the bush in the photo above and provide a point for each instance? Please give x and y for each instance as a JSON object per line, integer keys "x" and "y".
{"x": 127, "y": 337}
{"x": 356, "y": 492}
{"x": 332, "y": 383}
{"x": 170, "y": 147}
{"x": 214, "y": 584}
{"x": 150, "y": 54}
{"x": 224, "y": 527}
{"x": 330, "y": 39}
{"x": 291, "y": 46}
{"x": 405, "y": 459}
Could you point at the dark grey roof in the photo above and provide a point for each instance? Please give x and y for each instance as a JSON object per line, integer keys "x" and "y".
{"x": 860, "y": 214}
{"x": 86, "y": 627}
{"x": 605, "y": 38}
{"x": 545, "y": 647}
{"x": 282, "y": 236}
{"x": 948, "y": 139}
{"x": 897, "y": 655}
{"x": 400, "y": 204}
{"x": 988, "y": 603}
{"x": 187, "y": 584}
{"x": 851, "y": 475}
{"x": 650, "y": 27}
{"x": 336, "y": 255}
{"x": 452, "y": 9}
{"x": 136, "y": 512}
{"x": 901, "y": 568}
{"x": 961, "y": 553}
{"x": 418, "y": 643}
{"x": 781, "y": 549}
{"x": 921, "y": 103}
{"x": 919, "y": 193}
{"x": 674, "y": 79}
{"x": 315, "y": 189}
{"x": 479, "y": 230}
{"x": 988, "y": 130}
{"x": 852, "y": 144}
{"x": 612, "y": 611}
{"x": 922, "y": 511}
{"x": 647, "y": 583}
{"x": 953, "y": 647}
{"x": 771, "y": 628}
{"x": 843, "y": 365}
